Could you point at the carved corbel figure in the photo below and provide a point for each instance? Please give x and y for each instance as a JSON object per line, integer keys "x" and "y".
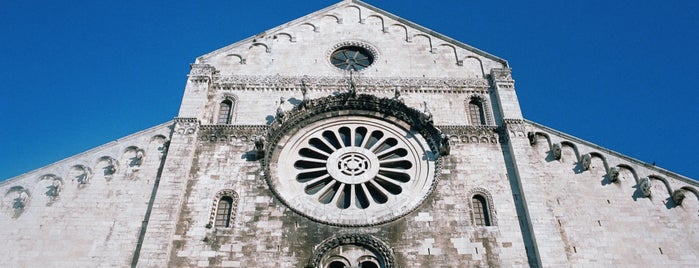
{"x": 444, "y": 148}
{"x": 304, "y": 91}
{"x": 644, "y": 186}
{"x": 614, "y": 174}
{"x": 139, "y": 158}
{"x": 20, "y": 201}
{"x": 259, "y": 147}
{"x": 427, "y": 115}
{"x": 678, "y": 196}
{"x": 396, "y": 95}
{"x": 111, "y": 168}
{"x": 280, "y": 111}
{"x": 585, "y": 161}
{"x": 556, "y": 150}
{"x": 54, "y": 189}
{"x": 532, "y": 138}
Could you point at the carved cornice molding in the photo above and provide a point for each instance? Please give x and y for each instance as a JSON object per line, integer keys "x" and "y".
{"x": 471, "y": 134}
{"x": 501, "y": 74}
{"x": 412, "y": 84}
{"x": 186, "y": 125}
{"x": 231, "y": 133}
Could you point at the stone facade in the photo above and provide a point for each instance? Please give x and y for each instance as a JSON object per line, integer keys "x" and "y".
{"x": 291, "y": 150}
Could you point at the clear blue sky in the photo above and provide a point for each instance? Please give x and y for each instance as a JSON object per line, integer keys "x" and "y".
{"x": 78, "y": 74}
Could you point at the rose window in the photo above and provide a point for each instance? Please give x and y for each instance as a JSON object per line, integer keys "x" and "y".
{"x": 353, "y": 170}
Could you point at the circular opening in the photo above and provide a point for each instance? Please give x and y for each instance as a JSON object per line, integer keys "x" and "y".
{"x": 352, "y": 170}
{"x": 351, "y": 58}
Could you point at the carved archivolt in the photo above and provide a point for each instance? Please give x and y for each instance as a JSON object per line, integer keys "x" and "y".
{"x": 367, "y": 241}
{"x": 490, "y": 204}
{"x": 214, "y": 206}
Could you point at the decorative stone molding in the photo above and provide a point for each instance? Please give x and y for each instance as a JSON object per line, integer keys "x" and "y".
{"x": 614, "y": 174}
{"x": 586, "y": 161}
{"x": 361, "y": 106}
{"x": 186, "y": 126}
{"x": 491, "y": 205}
{"x": 231, "y": 133}
{"x": 406, "y": 84}
{"x": 501, "y": 74}
{"x": 201, "y": 72}
{"x": 556, "y": 151}
{"x": 644, "y": 186}
{"x": 55, "y": 187}
{"x": 214, "y": 206}
{"x": 532, "y": 138}
{"x": 471, "y": 134}
{"x": 678, "y": 196}
{"x": 365, "y": 240}
{"x": 20, "y": 199}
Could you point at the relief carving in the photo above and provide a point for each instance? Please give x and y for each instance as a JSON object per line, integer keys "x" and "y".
{"x": 645, "y": 187}
{"x": 586, "y": 161}
{"x": 20, "y": 197}
{"x": 678, "y": 196}
{"x": 614, "y": 174}
{"x": 556, "y": 151}
{"x": 54, "y": 188}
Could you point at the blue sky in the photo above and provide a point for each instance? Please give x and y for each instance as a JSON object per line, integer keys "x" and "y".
{"x": 78, "y": 74}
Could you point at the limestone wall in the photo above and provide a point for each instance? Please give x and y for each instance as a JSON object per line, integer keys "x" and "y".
{"x": 83, "y": 211}
{"x": 265, "y": 233}
{"x": 588, "y": 205}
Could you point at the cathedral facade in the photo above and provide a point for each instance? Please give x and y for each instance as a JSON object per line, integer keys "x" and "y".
{"x": 349, "y": 137}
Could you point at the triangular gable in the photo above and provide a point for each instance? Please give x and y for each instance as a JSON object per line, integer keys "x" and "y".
{"x": 302, "y": 47}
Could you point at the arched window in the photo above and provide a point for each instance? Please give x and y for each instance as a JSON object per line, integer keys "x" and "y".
{"x": 475, "y": 109}
{"x": 481, "y": 216}
{"x": 223, "y": 212}
{"x": 224, "y": 112}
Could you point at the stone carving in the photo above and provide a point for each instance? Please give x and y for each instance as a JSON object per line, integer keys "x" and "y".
{"x": 532, "y": 138}
{"x": 243, "y": 82}
{"x": 678, "y": 196}
{"x": 280, "y": 111}
{"x": 362, "y": 104}
{"x": 81, "y": 174}
{"x": 444, "y": 148}
{"x": 185, "y": 125}
{"x": 644, "y": 186}
{"x": 614, "y": 174}
{"x": 241, "y": 134}
{"x": 471, "y": 134}
{"x": 214, "y": 206}
{"x": 306, "y": 99}
{"x": 20, "y": 199}
{"x": 54, "y": 189}
{"x": 427, "y": 115}
{"x": 365, "y": 240}
{"x": 489, "y": 199}
{"x": 259, "y": 147}
{"x": 501, "y": 74}
{"x": 556, "y": 151}
{"x": 396, "y": 95}
{"x": 586, "y": 161}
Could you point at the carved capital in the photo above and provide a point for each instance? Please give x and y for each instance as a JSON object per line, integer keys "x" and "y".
{"x": 501, "y": 74}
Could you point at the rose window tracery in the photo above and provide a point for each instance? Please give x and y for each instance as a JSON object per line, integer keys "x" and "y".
{"x": 353, "y": 170}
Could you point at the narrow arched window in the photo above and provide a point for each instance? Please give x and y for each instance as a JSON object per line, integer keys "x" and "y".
{"x": 480, "y": 211}
{"x": 475, "y": 109}
{"x": 224, "y": 112}
{"x": 223, "y": 212}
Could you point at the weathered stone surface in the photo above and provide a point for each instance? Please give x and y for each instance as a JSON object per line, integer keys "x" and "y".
{"x": 199, "y": 192}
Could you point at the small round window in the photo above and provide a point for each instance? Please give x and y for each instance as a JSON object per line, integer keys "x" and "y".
{"x": 351, "y": 58}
